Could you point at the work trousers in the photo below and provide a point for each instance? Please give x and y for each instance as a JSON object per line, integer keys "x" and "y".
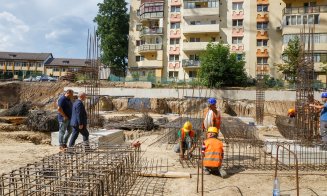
{"x": 76, "y": 131}
{"x": 64, "y": 132}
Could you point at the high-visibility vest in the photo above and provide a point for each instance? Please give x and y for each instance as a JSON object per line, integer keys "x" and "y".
{"x": 213, "y": 153}
{"x": 213, "y": 121}
{"x": 191, "y": 134}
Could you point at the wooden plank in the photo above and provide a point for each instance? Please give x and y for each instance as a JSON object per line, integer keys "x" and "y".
{"x": 169, "y": 174}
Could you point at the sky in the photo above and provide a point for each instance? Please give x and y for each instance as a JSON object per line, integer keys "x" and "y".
{"x": 47, "y": 26}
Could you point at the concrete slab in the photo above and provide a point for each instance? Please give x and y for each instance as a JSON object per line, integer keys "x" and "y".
{"x": 113, "y": 136}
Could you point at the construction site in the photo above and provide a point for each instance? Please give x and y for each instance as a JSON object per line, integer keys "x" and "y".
{"x": 133, "y": 131}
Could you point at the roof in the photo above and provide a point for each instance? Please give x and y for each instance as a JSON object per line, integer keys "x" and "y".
{"x": 25, "y": 56}
{"x": 65, "y": 62}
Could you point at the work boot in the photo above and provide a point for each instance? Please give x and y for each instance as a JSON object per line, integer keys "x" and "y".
{"x": 61, "y": 148}
{"x": 206, "y": 171}
{"x": 222, "y": 173}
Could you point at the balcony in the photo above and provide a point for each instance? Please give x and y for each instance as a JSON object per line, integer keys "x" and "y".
{"x": 196, "y": 12}
{"x": 238, "y": 32}
{"x": 149, "y": 64}
{"x": 175, "y": 2}
{"x": 238, "y": 14}
{"x": 175, "y": 17}
{"x": 149, "y": 48}
{"x": 175, "y": 33}
{"x": 237, "y": 47}
{"x": 174, "y": 65}
{"x": 203, "y": 28}
{"x": 262, "y": 53}
{"x": 195, "y": 46}
{"x": 305, "y": 10}
{"x": 262, "y": 35}
{"x": 262, "y": 2}
{"x": 151, "y": 16}
{"x": 152, "y": 31}
{"x": 190, "y": 63}
{"x": 262, "y": 18}
{"x": 174, "y": 50}
{"x": 262, "y": 68}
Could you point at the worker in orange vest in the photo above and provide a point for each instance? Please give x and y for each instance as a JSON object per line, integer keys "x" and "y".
{"x": 186, "y": 140}
{"x": 291, "y": 113}
{"x": 211, "y": 115}
{"x": 213, "y": 153}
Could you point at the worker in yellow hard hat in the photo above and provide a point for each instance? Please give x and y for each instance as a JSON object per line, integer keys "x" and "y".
{"x": 213, "y": 153}
{"x": 186, "y": 141}
{"x": 291, "y": 113}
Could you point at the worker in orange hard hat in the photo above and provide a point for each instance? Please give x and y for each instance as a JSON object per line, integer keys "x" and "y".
{"x": 291, "y": 113}
{"x": 213, "y": 153}
{"x": 186, "y": 140}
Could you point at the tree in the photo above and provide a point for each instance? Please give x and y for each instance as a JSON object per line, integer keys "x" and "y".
{"x": 291, "y": 57}
{"x": 113, "y": 26}
{"x": 221, "y": 68}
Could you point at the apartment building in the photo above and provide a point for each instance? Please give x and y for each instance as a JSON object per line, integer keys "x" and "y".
{"x": 167, "y": 37}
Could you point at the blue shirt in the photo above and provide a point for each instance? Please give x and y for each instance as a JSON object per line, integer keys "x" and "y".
{"x": 323, "y": 114}
{"x": 66, "y": 105}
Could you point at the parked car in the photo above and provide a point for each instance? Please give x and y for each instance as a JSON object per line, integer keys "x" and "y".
{"x": 29, "y": 79}
{"x": 51, "y": 79}
{"x": 38, "y": 78}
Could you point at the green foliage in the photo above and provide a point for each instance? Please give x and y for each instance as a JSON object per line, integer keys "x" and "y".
{"x": 113, "y": 27}
{"x": 271, "y": 82}
{"x": 291, "y": 60}
{"x": 221, "y": 68}
{"x": 135, "y": 75}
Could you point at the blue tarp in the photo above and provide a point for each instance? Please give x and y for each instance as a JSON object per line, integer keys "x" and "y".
{"x": 139, "y": 103}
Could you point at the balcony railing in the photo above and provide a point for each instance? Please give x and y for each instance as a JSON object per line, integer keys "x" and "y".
{"x": 190, "y": 63}
{"x": 151, "y": 15}
{"x": 305, "y": 10}
{"x": 150, "y": 47}
{"x": 202, "y": 28}
{"x": 152, "y": 31}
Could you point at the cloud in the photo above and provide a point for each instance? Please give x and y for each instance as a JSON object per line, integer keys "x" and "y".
{"x": 12, "y": 30}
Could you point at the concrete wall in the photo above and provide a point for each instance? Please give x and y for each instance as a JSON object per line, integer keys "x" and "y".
{"x": 180, "y": 93}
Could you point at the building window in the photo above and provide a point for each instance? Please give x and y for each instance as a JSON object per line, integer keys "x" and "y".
{"x": 17, "y": 64}
{"x": 237, "y": 40}
{"x": 239, "y": 57}
{"x": 24, "y": 64}
{"x": 175, "y": 9}
{"x": 63, "y": 69}
{"x": 174, "y": 41}
{"x": 194, "y": 57}
{"x": 173, "y": 57}
{"x": 262, "y": 25}
{"x": 65, "y": 62}
{"x": 195, "y": 23}
{"x": 173, "y": 74}
{"x": 195, "y": 39}
{"x": 238, "y": 6}
{"x": 262, "y": 60}
{"x": 317, "y": 37}
{"x": 56, "y": 69}
{"x": 320, "y": 57}
{"x": 192, "y": 74}
{"x": 213, "y": 22}
{"x": 137, "y": 12}
{"x": 237, "y": 23}
{"x": 302, "y": 19}
{"x": 38, "y": 64}
{"x": 139, "y": 58}
{"x": 175, "y": 25}
{"x": 262, "y": 8}
{"x": 262, "y": 42}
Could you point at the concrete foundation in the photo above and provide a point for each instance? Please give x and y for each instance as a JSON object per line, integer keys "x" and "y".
{"x": 114, "y": 136}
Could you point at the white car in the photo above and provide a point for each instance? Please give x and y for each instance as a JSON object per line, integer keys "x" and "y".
{"x": 29, "y": 79}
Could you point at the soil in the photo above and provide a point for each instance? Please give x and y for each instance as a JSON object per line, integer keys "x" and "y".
{"x": 248, "y": 182}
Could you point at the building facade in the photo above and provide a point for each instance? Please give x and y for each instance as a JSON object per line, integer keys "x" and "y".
{"x": 167, "y": 37}
{"x": 19, "y": 65}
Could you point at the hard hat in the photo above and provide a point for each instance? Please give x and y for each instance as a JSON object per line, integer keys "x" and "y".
{"x": 324, "y": 95}
{"x": 291, "y": 110}
{"x": 213, "y": 130}
{"x": 212, "y": 101}
{"x": 187, "y": 126}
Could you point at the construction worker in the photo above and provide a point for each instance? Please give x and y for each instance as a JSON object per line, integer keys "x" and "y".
{"x": 323, "y": 118}
{"x": 213, "y": 153}
{"x": 291, "y": 113}
{"x": 211, "y": 115}
{"x": 186, "y": 140}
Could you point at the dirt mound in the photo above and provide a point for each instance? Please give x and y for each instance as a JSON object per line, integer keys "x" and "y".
{"x": 43, "y": 121}
{"x": 21, "y": 109}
